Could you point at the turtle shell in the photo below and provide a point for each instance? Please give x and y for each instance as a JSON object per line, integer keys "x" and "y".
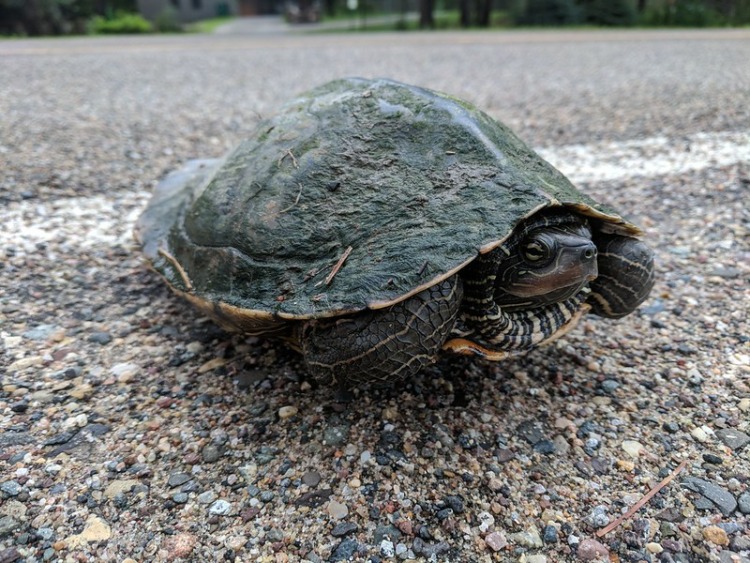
{"x": 356, "y": 195}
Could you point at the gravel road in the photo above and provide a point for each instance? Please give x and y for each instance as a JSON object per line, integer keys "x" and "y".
{"x": 135, "y": 430}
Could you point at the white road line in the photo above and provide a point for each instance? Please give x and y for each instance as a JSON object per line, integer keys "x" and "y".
{"x": 101, "y": 221}
{"x": 655, "y": 156}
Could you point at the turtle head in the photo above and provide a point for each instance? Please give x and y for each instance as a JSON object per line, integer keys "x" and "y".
{"x": 550, "y": 259}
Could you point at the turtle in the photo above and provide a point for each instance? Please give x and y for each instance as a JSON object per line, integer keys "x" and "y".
{"x": 371, "y": 224}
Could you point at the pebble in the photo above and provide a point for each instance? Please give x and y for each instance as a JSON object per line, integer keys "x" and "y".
{"x": 387, "y": 549}
{"x": 343, "y": 528}
{"x": 598, "y": 518}
{"x": 730, "y": 527}
{"x": 455, "y": 502}
{"x": 180, "y": 546}
{"x": 120, "y": 486}
{"x": 545, "y": 447}
{"x": 741, "y": 542}
{"x": 100, "y": 338}
{"x": 712, "y": 458}
{"x": 335, "y": 435}
{"x": 671, "y": 427}
{"x": 486, "y": 521}
{"x": 125, "y": 372}
{"x": 211, "y": 453}
{"x": 743, "y": 502}
{"x": 718, "y": 496}
{"x": 386, "y": 531}
{"x": 177, "y": 479}
{"x": 10, "y": 488}
{"x": 337, "y": 510}
{"x": 40, "y": 332}
{"x": 430, "y": 550}
{"x": 715, "y": 535}
{"x": 549, "y": 534}
{"x": 287, "y": 412}
{"x": 96, "y": 529}
{"x": 699, "y": 434}
{"x": 236, "y": 543}
{"x": 10, "y": 555}
{"x": 7, "y": 525}
{"x": 344, "y": 551}
{"x": 592, "y": 550}
{"x": 632, "y": 448}
{"x": 625, "y": 465}
{"x": 530, "y": 431}
{"x": 528, "y": 538}
{"x": 45, "y": 534}
{"x": 207, "y": 498}
{"x": 733, "y": 438}
{"x": 220, "y": 508}
{"x": 311, "y": 478}
{"x": 653, "y": 547}
{"x": 496, "y": 541}
{"x": 727, "y": 556}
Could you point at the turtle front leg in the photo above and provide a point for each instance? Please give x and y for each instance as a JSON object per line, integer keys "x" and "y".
{"x": 626, "y": 275}
{"x": 384, "y": 345}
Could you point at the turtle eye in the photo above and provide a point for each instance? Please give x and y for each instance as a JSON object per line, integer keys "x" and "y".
{"x": 535, "y": 251}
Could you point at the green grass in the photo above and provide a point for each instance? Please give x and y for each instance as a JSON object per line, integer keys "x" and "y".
{"x": 207, "y": 26}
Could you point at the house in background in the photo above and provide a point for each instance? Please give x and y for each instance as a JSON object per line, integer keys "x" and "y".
{"x": 193, "y": 10}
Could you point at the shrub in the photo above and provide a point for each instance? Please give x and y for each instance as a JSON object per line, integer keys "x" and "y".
{"x": 610, "y": 12}
{"x": 683, "y": 13}
{"x": 550, "y": 12}
{"x": 122, "y": 22}
{"x": 168, "y": 21}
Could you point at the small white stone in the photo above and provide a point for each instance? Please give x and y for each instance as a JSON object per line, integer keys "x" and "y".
{"x": 699, "y": 434}
{"x": 336, "y": 510}
{"x": 632, "y": 448}
{"x": 287, "y": 412}
{"x": 387, "y": 549}
{"x": 125, "y": 372}
{"x": 486, "y": 520}
{"x": 653, "y": 547}
{"x": 220, "y": 508}
{"x": 195, "y": 347}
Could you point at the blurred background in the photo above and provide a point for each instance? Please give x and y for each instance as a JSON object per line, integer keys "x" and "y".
{"x": 54, "y": 17}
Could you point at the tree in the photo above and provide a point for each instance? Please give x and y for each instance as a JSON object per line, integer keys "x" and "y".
{"x": 475, "y": 12}
{"x": 426, "y": 9}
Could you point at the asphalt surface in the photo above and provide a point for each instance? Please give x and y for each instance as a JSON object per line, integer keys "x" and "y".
{"x": 135, "y": 430}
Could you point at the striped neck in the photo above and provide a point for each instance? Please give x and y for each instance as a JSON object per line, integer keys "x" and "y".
{"x": 527, "y": 328}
